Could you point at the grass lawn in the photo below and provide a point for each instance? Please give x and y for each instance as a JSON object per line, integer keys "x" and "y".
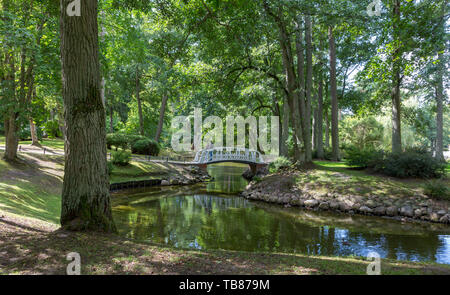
{"x": 32, "y": 188}
{"x": 339, "y": 177}
{"x": 56, "y": 143}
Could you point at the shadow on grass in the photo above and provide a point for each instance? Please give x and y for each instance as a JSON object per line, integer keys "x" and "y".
{"x": 45, "y": 253}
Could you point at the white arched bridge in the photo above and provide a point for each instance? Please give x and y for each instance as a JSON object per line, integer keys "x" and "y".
{"x": 229, "y": 154}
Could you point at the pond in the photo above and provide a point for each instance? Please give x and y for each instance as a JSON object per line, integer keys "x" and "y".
{"x": 213, "y": 216}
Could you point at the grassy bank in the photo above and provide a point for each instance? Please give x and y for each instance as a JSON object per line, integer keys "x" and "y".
{"x": 32, "y": 187}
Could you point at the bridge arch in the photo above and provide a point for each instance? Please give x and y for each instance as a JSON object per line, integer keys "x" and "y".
{"x": 229, "y": 154}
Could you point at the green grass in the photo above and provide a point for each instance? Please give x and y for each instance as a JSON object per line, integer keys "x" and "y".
{"x": 55, "y": 143}
{"x": 30, "y": 191}
{"x": 141, "y": 171}
{"x": 338, "y": 177}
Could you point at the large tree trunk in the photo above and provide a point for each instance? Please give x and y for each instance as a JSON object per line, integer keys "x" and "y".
{"x": 300, "y": 76}
{"x": 162, "y": 113}
{"x": 319, "y": 118}
{"x": 309, "y": 72}
{"x": 285, "y": 128}
{"x": 334, "y": 102}
{"x": 440, "y": 98}
{"x": 12, "y": 140}
{"x": 396, "y": 80}
{"x": 327, "y": 130}
{"x": 138, "y": 97}
{"x": 85, "y": 198}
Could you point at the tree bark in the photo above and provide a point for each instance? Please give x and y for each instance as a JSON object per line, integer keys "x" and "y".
{"x": 85, "y": 198}
{"x": 162, "y": 112}
{"x": 9, "y": 92}
{"x": 327, "y": 130}
{"x": 34, "y": 137}
{"x": 285, "y": 128}
{"x": 320, "y": 119}
{"x": 334, "y": 101}
{"x": 440, "y": 97}
{"x": 111, "y": 118}
{"x": 396, "y": 80}
{"x": 309, "y": 72}
{"x": 300, "y": 76}
{"x": 138, "y": 97}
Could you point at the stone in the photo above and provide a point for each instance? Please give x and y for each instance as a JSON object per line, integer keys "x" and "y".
{"x": 380, "y": 210}
{"x": 356, "y": 206}
{"x": 371, "y": 204}
{"x": 434, "y": 217}
{"x": 344, "y": 207}
{"x": 324, "y": 206}
{"x": 406, "y": 211}
{"x": 392, "y": 211}
{"x": 174, "y": 182}
{"x": 334, "y": 205}
{"x": 165, "y": 183}
{"x": 365, "y": 209}
{"x": 418, "y": 213}
{"x": 311, "y": 203}
{"x": 445, "y": 219}
{"x": 441, "y": 212}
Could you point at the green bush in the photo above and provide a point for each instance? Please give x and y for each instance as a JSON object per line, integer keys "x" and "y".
{"x": 279, "y": 163}
{"x": 437, "y": 189}
{"x": 363, "y": 158}
{"x": 145, "y": 147}
{"x": 133, "y": 138}
{"x": 51, "y": 128}
{"x": 121, "y": 158}
{"x": 118, "y": 140}
{"x": 411, "y": 163}
{"x": 110, "y": 167}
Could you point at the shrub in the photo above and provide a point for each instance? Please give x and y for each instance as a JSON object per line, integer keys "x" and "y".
{"x": 364, "y": 158}
{"x": 118, "y": 140}
{"x": 110, "y": 167}
{"x": 437, "y": 189}
{"x": 133, "y": 138}
{"x": 145, "y": 147}
{"x": 121, "y": 158}
{"x": 411, "y": 163}
{"x": 51, "y": 128}
{"x": 279, "y": 163}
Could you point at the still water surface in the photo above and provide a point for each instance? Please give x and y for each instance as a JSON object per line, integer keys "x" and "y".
{"x": 212, "y": 216}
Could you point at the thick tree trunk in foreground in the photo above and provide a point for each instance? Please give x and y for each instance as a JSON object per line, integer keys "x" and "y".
{"x": 334, "y": 102}
{"x": 85, "y": 197}
{"x": 162, "y": 113}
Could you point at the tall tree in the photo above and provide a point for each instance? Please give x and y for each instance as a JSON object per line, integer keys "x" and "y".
{"x": 85, "y": 197}
{"x": 334, "y": 102}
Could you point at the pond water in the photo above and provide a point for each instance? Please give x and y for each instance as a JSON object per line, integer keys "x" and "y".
{"x": 213, "y": 216}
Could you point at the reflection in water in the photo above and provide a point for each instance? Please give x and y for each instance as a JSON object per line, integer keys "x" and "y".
{"x": 201, "y": 219}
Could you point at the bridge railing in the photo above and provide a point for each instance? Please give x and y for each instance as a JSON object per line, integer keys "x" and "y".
{"x": 228, "y": 154}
